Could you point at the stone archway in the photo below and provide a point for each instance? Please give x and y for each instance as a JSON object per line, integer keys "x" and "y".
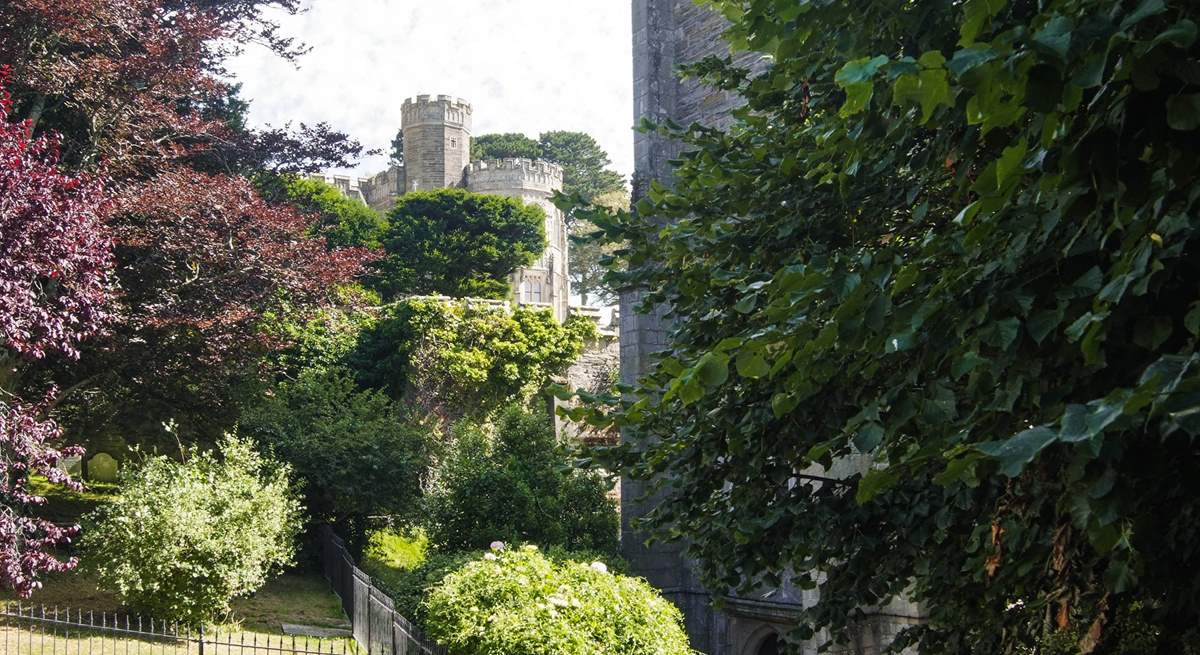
{"x": 764, "y": 640}
{"x": 770, "y": 645}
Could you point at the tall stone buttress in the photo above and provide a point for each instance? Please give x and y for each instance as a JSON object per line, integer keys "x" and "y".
{"x": 666, "y": 35}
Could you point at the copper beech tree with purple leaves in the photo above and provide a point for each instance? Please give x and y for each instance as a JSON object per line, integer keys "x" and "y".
{"x": 126, "y": 217}
{"x": 55, "y": 286}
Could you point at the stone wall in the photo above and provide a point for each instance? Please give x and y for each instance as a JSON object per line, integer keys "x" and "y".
{"x": 381, "y": 190}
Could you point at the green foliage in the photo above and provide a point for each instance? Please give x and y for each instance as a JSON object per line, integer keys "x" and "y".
{"x": 342, "y": 221}
{"x": 357, "y": 453}
{"x": 585, "y": 164}
{"x": 959, "y": 237}
{"x": 181, "y": 540}
{"x": 520, "y": 602}
{"x": 516, "y": 486}
{"x": 505, "y": 146}
{"x": 402, "y": 550}
{"x": 452, "y": 359}
{"x": 591, "y": 257}
{"x": 396, "y": 156}
{"x": 324, "y": 338}
{"x": 457, "y": 243}
{"x": 408, "y": 587}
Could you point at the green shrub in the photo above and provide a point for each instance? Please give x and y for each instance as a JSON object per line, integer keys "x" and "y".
{"x": 451, "y": 359}
{"x": 357, "y": 453}
{"x": 521, "y": 603}
{"x": 517, "y": 487}
{"x": 456, "y": 243}
{"x": 181, "y": 540}
{"x": 408, "y": 587}
{"x": 404, "y": 550}
{"x": 343, "y": 221}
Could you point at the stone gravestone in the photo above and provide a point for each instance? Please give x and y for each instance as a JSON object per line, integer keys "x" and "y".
{"x": 102, "y": 468}
{"x": 71, "y": 465}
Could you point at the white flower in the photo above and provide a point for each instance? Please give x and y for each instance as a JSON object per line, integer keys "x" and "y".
{"x": 599, "y": 567}
{"x": 491, "y": 557}
{"x": 557, "y": 601}
{"x": 497, "y": 546}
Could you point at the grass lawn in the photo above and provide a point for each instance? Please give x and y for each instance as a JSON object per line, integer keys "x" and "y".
{"x": 303, "y": 598}
{"x": 66, "y": 506}
{"x": 402, "y": 551}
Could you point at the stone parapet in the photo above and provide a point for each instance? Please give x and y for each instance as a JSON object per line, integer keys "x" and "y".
{"x": 514, "y": 174}
{"x": 440, "y": 110}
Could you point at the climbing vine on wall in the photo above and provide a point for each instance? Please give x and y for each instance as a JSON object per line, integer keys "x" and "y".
{"x": 960, "y": 238}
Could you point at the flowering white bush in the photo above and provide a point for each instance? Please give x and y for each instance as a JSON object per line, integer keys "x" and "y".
{"x": 182, "y": 539}
{"x": 518, "y": 602}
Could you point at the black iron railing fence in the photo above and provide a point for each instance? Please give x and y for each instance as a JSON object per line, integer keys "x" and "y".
{"x": 377, "y": 627}
{"x": 41, "y": 630}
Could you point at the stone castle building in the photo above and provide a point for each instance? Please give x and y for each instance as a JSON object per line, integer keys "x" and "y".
{"x": 437, "y": 155}
{"x": 666, "y": 35}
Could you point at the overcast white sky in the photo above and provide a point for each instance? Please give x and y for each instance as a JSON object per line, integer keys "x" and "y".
{"x": 525, "y": 66}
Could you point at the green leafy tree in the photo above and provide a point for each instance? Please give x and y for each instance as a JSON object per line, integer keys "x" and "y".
{"x": 591, "y": 256}
{"x": 452, "y": 359}
{"x": 505, "y": 146}
{"x": 522, "y": 602}
{"x": 957, "y": 239}
{"x": 457, "y": 243}
{"x": 396, "y": 156}
{"x": 585, "y": 164}
{"x": 181, "y": 540}
{"x": 357, "y": 453}
{"x": 344, "y": 222}
{"x": 518, "y": 487}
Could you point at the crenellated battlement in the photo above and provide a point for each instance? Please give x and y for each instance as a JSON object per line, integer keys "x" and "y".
{"x": 442, "y": 109}
{"x": 532, "y": 174}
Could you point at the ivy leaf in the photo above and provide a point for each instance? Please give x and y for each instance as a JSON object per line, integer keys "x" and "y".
{"x": 1009, "y": 164}
{"x": 858, "y": 96}
{"x": 1192, "y": 320}
{"x": 751, "y": 364}
{"x": 1083, "y": 422}
{"x": 1120, "y": 576}
{"x": 1041, "y": 323}
{"x": 967, "y": 59}
{"x": 746, "y": 304}
{"x": 1151, "y": 331}
{"x": 783, "y": 403}
{"x": 690, "y": 391}
{"x": 869, "y": 437}
{"x": 1054, "y": 38}
{"x": 713, "y": 369}
{"x": 1181, "y": 35}
{"x": 975, "y": 14}
{"x": 876, "y": 481}
{"x": 1014, "y": 453}
{"x": 859, "y": 70}
{"x": 1183, "y": 112}
{"x": 1145, "y": 10}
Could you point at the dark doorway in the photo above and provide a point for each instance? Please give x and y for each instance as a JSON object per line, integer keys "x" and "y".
{"x": 771, "y": 646}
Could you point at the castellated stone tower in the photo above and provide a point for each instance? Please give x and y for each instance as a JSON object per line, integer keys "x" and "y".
{"x": 545, "y": 282}
{"x": 437, "y": 141}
